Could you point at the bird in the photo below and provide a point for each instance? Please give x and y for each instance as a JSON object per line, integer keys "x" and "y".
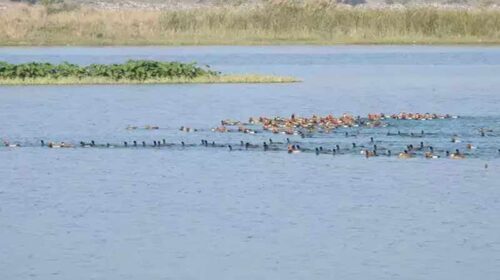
{"x": 470, "y": 146}
{"x": 59, "y": 145}
{"x": 10, "y": 145}
{"x": 455, "y": 139}
{"x": 405, "y": 154}
{"x": 457, "y": 155}
{"x": 369, "y": 153}
{"x": 293, "y": 149}
{"x": 430, "y": 155}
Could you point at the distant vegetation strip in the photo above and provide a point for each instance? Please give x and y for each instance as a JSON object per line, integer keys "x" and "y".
{"x": 222, "y": 79}
{"x": 273, "y": 22}
{"x": 131, "y": 72}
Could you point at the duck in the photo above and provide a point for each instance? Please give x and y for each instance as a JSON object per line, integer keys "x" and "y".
{"x": 9, "y": 145}
{"x": 187, "y": 129}
{"x": 292, "y": 149}
{"x": 430, "y": 155}
{"x": 457, "y": 155}
{"x": 271, "y": 142}
{"x": 54, "y": 145}
{"x": 149, "y": 127}
{"x": 405, "y": 154}
{"x": 221, "y": 128}
{"x": 230, "y": 122}
{"x": 85, "y": 145}
{"x": 420, "y": 147}
{"x": 369, "y": 153}
{"x": 318, "y": 150}
{"x": 470, "y": 146}
{"x": 248, "y": 145}
{"x": 59, "y": 145}
{"x": 483, "y": 131}
{"x": 455, "y": 139}
{"x": 266, "y": 146}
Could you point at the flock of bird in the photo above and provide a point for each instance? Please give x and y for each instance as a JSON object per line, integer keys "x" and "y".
{"x": 305, "y": 127}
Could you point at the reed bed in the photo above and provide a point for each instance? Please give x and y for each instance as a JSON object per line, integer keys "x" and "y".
{"x": 285, "y": 22}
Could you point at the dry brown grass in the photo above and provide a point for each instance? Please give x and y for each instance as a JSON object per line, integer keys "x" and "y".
{"x": 275, "y": 23}
{"x": 223, "y": 79}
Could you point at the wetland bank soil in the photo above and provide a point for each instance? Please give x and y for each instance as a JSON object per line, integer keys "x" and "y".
{"x": 211, "y": 214}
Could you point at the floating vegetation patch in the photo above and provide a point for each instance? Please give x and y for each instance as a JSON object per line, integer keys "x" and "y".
{"x": 132, "y": 71}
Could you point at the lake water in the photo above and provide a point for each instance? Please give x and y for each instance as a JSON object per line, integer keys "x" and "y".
{"x": 199, "y": 213}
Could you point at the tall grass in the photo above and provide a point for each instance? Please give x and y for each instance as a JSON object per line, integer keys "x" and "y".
{"x": 316, "y": 22}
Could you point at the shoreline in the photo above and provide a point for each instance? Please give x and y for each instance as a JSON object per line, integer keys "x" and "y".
{"x": 291, "y": 45}
{"x": 223, "y": 79}
{"x": 266, "y": 44}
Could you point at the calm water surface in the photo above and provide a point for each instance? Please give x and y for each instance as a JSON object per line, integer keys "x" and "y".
{"x": 211, "y": 214}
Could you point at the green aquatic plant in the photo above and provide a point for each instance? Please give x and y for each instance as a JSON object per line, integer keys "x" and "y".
{"x": 133, "y": 70}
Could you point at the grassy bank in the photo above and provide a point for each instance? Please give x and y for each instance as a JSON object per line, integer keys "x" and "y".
{"x": 284, "y": 22}
{"x": 228, "y": 79}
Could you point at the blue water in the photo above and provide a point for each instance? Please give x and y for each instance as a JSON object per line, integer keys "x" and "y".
{"x": 199, "y": 213}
